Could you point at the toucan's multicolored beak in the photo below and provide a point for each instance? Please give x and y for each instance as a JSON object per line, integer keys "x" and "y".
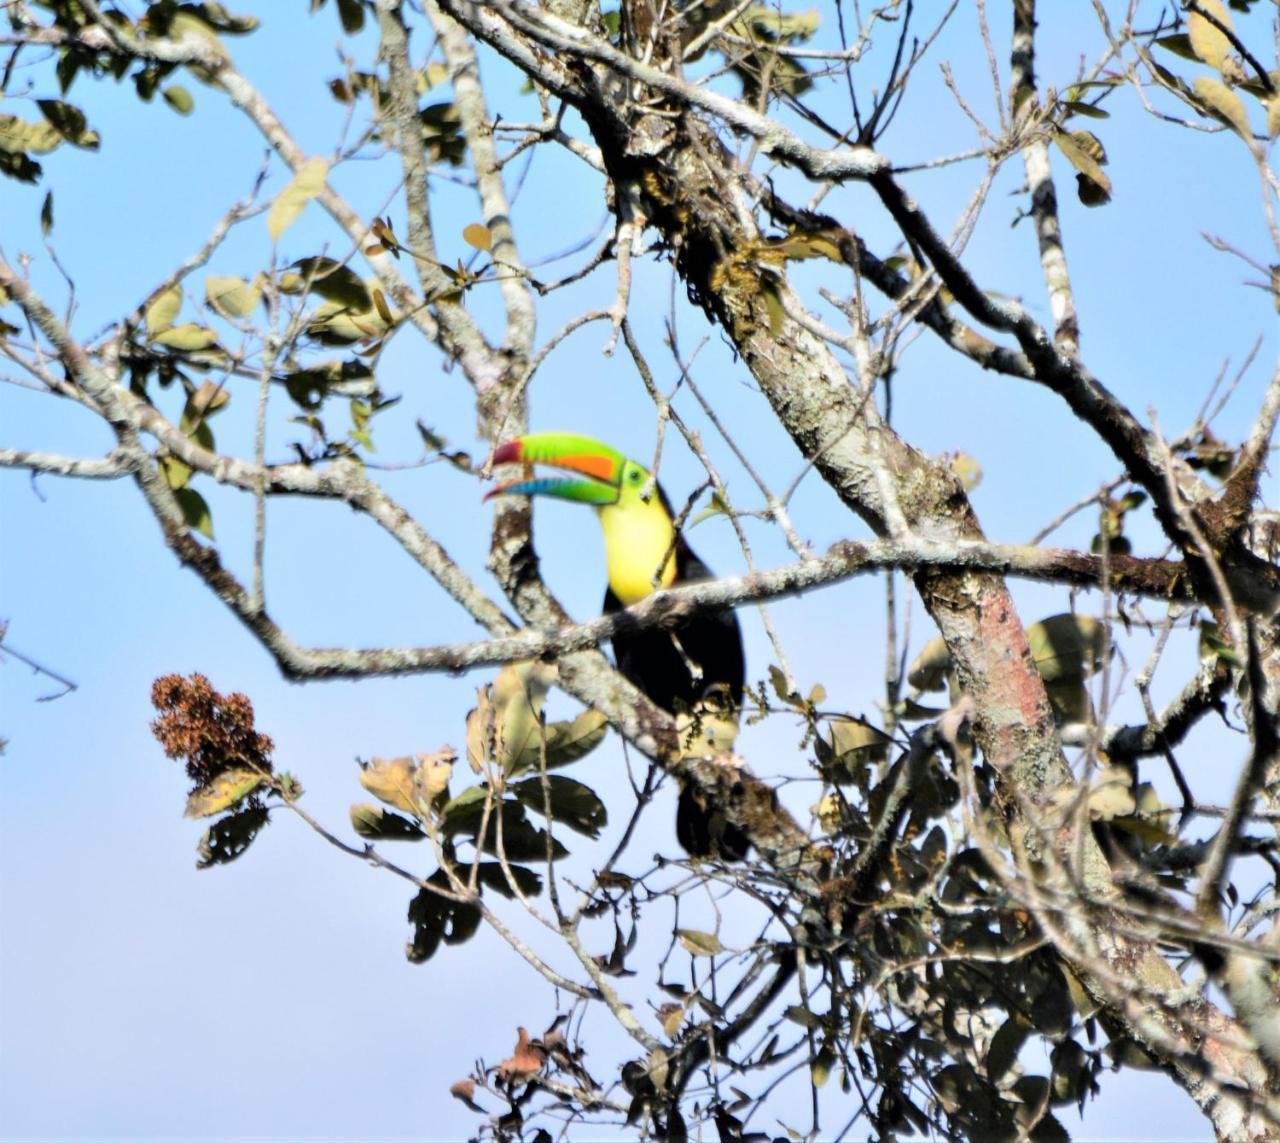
{"x": 563, "y": 450}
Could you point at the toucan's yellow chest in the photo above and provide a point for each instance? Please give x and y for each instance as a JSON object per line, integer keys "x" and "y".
{"x": 638, "y": 537}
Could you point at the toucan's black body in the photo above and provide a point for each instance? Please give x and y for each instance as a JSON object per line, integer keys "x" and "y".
{"x": 711, "y": 640}
{"x": 658, "y": 662}
{"x": 693, "y": 669}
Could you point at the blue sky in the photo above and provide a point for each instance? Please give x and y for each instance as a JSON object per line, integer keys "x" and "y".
{"x": 271, "y": 998}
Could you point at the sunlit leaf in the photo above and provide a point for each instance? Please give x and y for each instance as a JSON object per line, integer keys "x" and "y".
{"x": 179, "y": 98}
{"x": 290, "y": 203}
{"x": 228, "y": 788}
{"x": 1224, "y": 103}
{"x": 231, "y": 297}
{"x": 968, "y": 471}
{"x": 698, "y": 943}
{"x": 187, "y": 338}
{"x": 478, "y": 236}
{"x": 160, "y": 311}
{"x": 1079, "y": 150}
{"x": 1207, "y": 41}
{"x": 412, "y": 784}
{"x": 176, "y": 473}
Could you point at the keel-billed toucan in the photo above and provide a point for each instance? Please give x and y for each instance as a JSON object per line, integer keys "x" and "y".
{"x": 694, "y": 668}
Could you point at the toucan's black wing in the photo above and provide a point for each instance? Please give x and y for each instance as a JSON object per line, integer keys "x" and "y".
{"x": 678, "y": 668}
{"x": 704, "y": 655}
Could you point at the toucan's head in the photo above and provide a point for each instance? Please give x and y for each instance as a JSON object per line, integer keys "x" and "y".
{"x": 639, "y": 528}
{"x": 614, "y": 480}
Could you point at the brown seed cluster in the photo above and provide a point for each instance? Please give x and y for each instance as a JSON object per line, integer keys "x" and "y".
{"x": 209, "y": 731}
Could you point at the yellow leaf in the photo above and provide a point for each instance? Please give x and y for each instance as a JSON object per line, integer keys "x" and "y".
{"x": 432, "y": 76}
{"x": 409, "y": 784}
{"x": 223, "y": 792}
{"x": 1078, "y": 153}
{"x": 671, "y": 1016}
{"x": 307, "y": 183}
{"x": 187, "y": 338}
{"x": 1273, "y": 117}
{"x": 231, "y": 297}
{"x": 391, "y": 780}
{"x": 699, "y": 943}
{"x": 1066, "y": 646}
{"x": 830, "y": 813}
{"x": 968, "y": 471}
{"x": 1224, "y": 103}
{"x": 478, "y": 236}
{"x": 1209, "y": 44}
{"x": 176, "y": 473}
{"x": 820, "y": 1066}
{"x": 519, "y": 692}
{"x": 208, "y": 399}
{"x": 161, "y": 310}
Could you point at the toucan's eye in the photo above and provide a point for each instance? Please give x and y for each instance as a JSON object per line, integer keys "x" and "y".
{"x": 635, "y": 476}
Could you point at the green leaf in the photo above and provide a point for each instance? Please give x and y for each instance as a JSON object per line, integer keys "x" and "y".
{"x": 802, "y": 1016}
{"x": 572, "y": 802}
{"x": 335, "y": 282}
{"x": 176, "y": 473}
{"x": 848, "y": 746}
{"x": 1083, "y": 151}
{"x": 462, "y": 814}
{"x": 492, "y": 876}
{"x": 1066, "y": 647}
{"x": 223, "y": 792}
{"x": 19, "y": 167}
{"x": 187, "y": 338}
{"x": 195, "y": 511}
{"x": 698, "y": 943}
{"x": 1088, "y": 110}
{"x": 1209, "y": 44}
{"x": 351, "y": 13}
{"x": 377, "y": 824}
{"x": 69, "y": 121}
{"x": 521, "y": 840}
{"x": 1224, "y": 104}
{"x": 1005, "y": 1045}
{"x": 290, "y": 202}
{"x": 183, "y": 24}
{"x": 780, "y": 686}
{"x": 179, "y": 98}
{"x": 1179, "y": 45}
{"x": 436, "y": 919}
{"x": 718, "y": 506}
{"x": 442, "y": 133}
{"x": 820, "y": 1066}
{"x": 929, "y": 669}
{"x": 17, "y": 136}
{"x": 205, "y": 401}
{"x": 228, "y": 838}
{"x": 566, "y": 742}
{"x": 160, "y": 311}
